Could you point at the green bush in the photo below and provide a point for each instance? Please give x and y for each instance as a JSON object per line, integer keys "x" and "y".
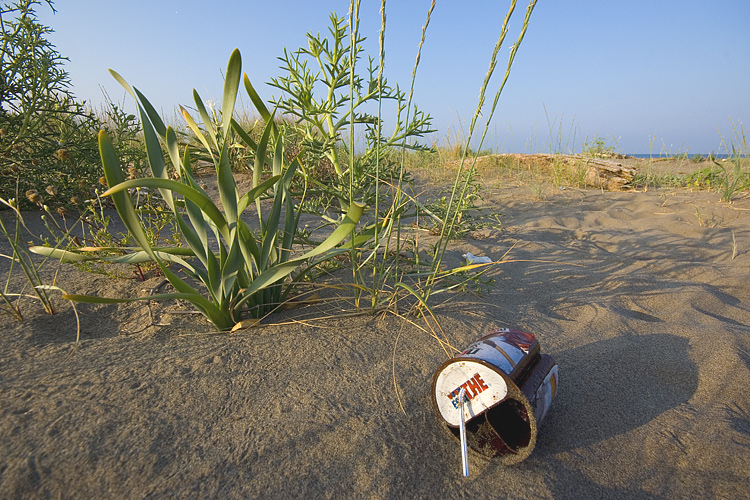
{"x": 329, "y": 101}
{"x": 47, "y": 140}
{"x": 242, "y": 272}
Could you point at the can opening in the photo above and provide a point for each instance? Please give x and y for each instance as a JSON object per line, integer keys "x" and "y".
{"x": 511, "y": 423}
{"x": 503, "y": 429}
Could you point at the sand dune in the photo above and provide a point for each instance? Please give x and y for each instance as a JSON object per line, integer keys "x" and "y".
{"x": 642, "y": 300}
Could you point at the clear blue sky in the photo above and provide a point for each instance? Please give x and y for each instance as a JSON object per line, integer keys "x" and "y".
{"x": 652, "y": 75}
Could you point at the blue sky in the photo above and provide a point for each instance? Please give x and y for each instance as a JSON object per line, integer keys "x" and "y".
{"x": 661, "y": 76}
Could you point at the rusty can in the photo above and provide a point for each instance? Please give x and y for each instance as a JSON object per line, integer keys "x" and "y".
{"x": 509, "y": 386}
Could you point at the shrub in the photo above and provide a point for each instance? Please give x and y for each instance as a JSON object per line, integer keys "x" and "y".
{"x": 242, "y": 272}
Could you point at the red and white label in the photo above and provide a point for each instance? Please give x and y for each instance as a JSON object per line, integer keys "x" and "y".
{"x": 484, "y": 389}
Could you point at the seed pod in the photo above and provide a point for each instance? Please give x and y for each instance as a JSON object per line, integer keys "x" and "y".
{"x": 34, "y": 196}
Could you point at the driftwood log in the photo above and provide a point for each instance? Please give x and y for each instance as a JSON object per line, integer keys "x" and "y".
{"x": 600, "y": 173}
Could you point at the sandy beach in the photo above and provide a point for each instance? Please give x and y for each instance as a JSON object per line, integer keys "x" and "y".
{"x": 641, "y": 297}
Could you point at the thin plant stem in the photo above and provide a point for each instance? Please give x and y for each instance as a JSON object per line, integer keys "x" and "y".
{"x": 353, "y": 34}
{"x": 399, "y": 185}
{"x": 377, "y": 267}
{"x": 455, "y": 202}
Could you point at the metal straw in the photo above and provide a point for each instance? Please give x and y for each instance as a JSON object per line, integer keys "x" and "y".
{"x": 464, "y": 453}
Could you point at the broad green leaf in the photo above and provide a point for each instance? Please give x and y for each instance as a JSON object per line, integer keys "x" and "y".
{"x": 260, "y": 160}
{"x": 231, "y": 86}
{"x": 244, "y": 135}
{"x": 200, "y": 199}
{"x": 122, "y": 82}
{"x": 196, "y": 236}
{"x": 227, "y": 186}
{"x": 153, "y": 116}
{"x": 248, "y": 246}
{"x": 278, "y": 157}
{"x": 173, "y": 150}
{"x": 153, "y": 151}
{"x": 207, "y": 123}
{"x": 280, "y": 271}
{"x": 230, "y": 268}
{"x": 291, "y": 221}
{"x": 123, "y": 204}
{"x": 213, "y": 273}
{"x": 137, "y": 257}
{"x": 256, "y": 100}
{"x": 197, "y": 131}
{"x": 255, "y": 193}
{"x": 270, "y": 230}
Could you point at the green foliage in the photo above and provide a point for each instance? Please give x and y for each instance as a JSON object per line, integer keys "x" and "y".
{"x": 597, "y": 147}
{"x": 462, "y": 184}
{"x": 470, "y": 217}
{"x": 242, "y": 272}
{"x": 325, "y": 96}
{"x": 93, "y": 235}
{"x": 47, "y": 140}
{"x": 737, "y": 177}
{"x": 21, "y": 258}
{"x": 727, "y": 176}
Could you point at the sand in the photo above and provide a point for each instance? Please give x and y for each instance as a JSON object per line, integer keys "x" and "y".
{"x": 642, "y": 300}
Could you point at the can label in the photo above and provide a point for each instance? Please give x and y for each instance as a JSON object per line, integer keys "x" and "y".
{"x": 545, "y": 394}
{"x": 484, "y": 389}
{"x": 503, "y": 348}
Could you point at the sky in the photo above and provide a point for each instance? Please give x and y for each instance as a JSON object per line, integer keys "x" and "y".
{"x": 648, "y": 76}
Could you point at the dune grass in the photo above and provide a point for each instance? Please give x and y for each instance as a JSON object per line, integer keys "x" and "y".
{"x": 300, "y": 150}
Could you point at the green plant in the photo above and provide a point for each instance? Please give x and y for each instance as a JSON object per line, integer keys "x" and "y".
{"x": 46, "y": 137}
{"x": 461, "y": 185}
{"x": 737, "y": 177}
{"x": 91, "y": 232}
{"x": 332, "y": 98}
{"x": 469, "y": 218}
{"x": 242, "y": 272}
{"x": 597, "y": 147}
{"x": 726, "y": 176}
{"x": 710, "y": 177}
{"x": 22, "y": 258}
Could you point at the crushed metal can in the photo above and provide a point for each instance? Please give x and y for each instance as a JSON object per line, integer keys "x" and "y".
{"x": 508, "y": 386}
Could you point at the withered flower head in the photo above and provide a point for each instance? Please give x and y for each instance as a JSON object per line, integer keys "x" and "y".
{"x": 34, "y": 196}
{"x": 63, "y": 154}
{"x": 75, "y": 200}
{"x": 103, "y": 181}
{"x": 51, "y": 190}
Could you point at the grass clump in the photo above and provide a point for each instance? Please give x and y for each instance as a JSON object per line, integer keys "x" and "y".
{"x": 243, "y": 272}
{"x": 304, "y": 160}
